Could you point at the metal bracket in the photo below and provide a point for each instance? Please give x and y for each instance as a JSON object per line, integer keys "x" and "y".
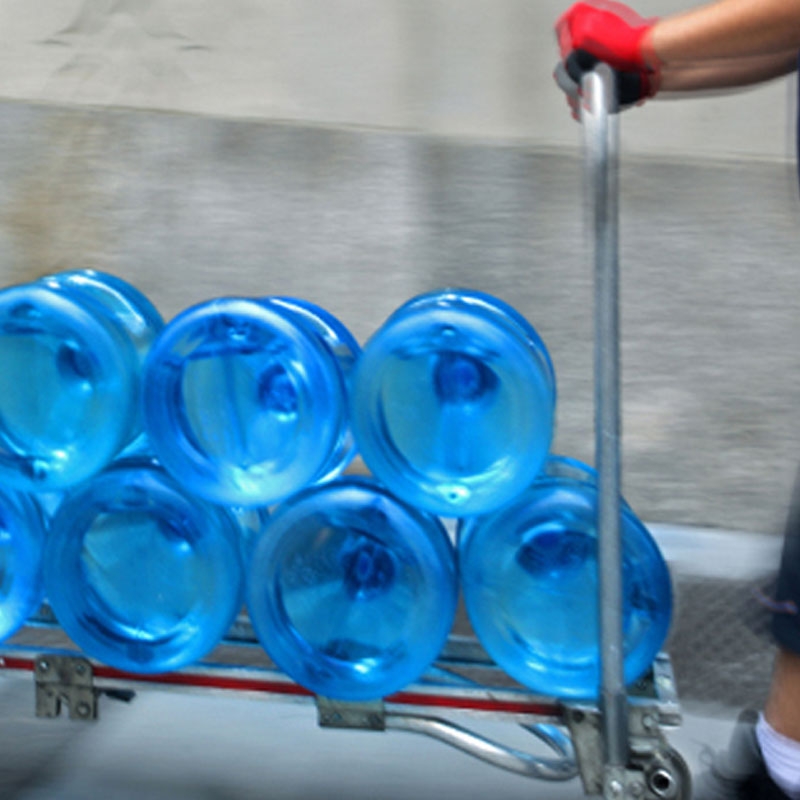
{"x": 65, "y": 679}
{"x": 655, "y": 771}
{"x": 658, "y": 686}
{"x": 370, "y": 716}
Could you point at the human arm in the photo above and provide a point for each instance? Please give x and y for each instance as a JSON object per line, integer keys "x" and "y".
{"x": 726, "y": 73}
{"x": 726, "y": 29}
{"x": 687, "y": 51}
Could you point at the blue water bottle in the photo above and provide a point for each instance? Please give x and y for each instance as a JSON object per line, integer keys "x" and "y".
{"x": 71, "y": 347}
{"x": 351, "y": 591}
{"x": 251, "y": 522}
{"x": 22, "y": 537}
{"x": 141, "y": 575}
{"x": 454, "y": 402}
{"x": 246, "y": 401}
{"x": 530, "y": 582}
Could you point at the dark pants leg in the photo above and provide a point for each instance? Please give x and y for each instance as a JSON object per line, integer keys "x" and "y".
{"x": 786, "y": 617}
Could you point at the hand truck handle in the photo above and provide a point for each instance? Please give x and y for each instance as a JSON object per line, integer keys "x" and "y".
{"x": 601, "y": 132}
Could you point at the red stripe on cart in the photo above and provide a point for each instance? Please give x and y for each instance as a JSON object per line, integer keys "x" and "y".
{"x": 476, "y": 704}
{"x": 195, "y": 680}
{"x": 16, "y": 663}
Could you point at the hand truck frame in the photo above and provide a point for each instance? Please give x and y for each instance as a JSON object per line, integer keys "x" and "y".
{"x": 617, "y": 747}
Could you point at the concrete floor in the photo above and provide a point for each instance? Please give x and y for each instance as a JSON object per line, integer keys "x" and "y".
{"x": 185, "y": 747}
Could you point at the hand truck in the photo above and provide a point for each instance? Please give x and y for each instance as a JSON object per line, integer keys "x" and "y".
{"x": 617, "y": 747}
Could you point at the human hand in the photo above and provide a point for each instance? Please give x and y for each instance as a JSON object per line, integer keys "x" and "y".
{"x": 609, "y": 31}
{"x": 632, "y": 88}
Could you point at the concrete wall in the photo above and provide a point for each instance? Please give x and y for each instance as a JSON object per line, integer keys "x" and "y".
{"x": 478, "y": 68}
{"x": 189, "y": 207}
{"x": 355, "y": 153}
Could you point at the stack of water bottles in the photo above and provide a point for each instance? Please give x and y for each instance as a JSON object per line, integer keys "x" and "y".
{"x": 155, "y": 479}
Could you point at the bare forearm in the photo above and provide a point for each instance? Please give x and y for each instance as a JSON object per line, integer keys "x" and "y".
{"x": 728, "y": 29}
{"x": 726, "y": 73}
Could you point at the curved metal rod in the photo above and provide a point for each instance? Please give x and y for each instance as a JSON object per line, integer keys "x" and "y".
{"x": 554, "y": 738}
{"x": 551, "y": 735}
{"x": 525, "y": 764}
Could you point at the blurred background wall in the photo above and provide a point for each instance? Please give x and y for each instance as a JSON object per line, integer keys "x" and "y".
{"x": 356, "y": 152}
{"x": 454, "y": 67}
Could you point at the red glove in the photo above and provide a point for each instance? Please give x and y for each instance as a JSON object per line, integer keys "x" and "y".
{"x": 611, "y": 32}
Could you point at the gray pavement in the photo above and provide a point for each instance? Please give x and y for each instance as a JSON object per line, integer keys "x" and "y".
{"x": 171, "y": 746}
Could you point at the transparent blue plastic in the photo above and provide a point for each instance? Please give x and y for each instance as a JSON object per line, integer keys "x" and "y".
{"x": 245, "y": 401}
{"x": 22, "y": 537}
{"x": 529, "y": 578}
{"x": 251, "y": 522}
{"x": 141, "y": 575}
{"x": 454, "y": 402}
{"x": 347, "y": 351}
{"x": 352, "y": 592}
{"x": 70, "y": 353}
{"x": 125, "y": 304}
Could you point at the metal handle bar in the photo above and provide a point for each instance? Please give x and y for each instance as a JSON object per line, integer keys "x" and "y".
{"x": 602, "y": 150}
